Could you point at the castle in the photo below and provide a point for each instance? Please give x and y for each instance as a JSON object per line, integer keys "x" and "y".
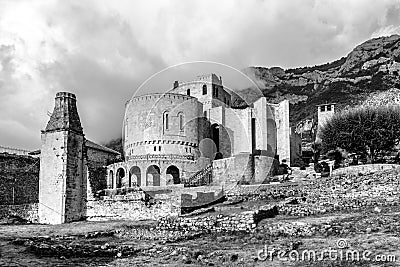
{"x": 170, "y": 137}
{"x": 189, "y": 136}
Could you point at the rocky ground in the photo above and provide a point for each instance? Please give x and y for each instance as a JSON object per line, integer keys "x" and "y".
{"x": 288, "y": 239}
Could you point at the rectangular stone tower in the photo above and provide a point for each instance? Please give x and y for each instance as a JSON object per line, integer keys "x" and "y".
{"x": 325, "y": 113}
{"x": 62, "y": 180}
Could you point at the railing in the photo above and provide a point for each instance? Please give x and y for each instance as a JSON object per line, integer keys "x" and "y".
{"x": 162, "y": 157}
{"x": 202, "y": 177}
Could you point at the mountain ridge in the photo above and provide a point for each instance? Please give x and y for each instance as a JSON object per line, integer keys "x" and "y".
{"x": 371, "y": 66}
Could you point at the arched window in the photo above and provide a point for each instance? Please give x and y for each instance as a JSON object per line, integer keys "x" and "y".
{"x": 166, "y": 121}
{"x": 181, "y": 121}
{"x": 204, "y": 89}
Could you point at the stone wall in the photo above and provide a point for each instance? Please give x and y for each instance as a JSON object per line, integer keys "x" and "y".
{"x": 244, "y": 221}
{"x": 104, "y": 210}
{"x": 233, "y": 169}
{"x": 28, "y": 212}
{"x": 19, "y": 179}
{"x": 367, "y": 168}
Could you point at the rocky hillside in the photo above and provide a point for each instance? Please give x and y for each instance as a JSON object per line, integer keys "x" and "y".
{"x": 371, "y": 68}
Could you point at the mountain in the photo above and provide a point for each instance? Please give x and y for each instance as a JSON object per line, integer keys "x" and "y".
{"x": 371, "y": 67}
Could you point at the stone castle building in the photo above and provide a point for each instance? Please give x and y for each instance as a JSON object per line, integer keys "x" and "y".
{"x": 192, "y": 134}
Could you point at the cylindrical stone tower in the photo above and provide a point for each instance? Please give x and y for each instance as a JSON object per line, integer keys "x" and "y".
{"x": 162, "y": 124}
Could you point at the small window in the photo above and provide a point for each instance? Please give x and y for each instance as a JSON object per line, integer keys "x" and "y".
{"x": 159, "y": 148}
{"x": 322, "y": 108}
{"x": 216, "y": 91}
{"x": 181, "y": 121}
{"x": 328, "y": 108}
{"x": 205, "y": 114}
{"x": 188, "y": 91}
{"x": 166, "y": 121}
{"x": 204, "y": 89}
{"x": 155, "y": 148}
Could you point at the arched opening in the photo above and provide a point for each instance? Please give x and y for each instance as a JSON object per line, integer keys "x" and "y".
{"x": 153, "y": 176}
{"x": 110, "y": 180}
{"x": 120, "y": 177}
{"x": 215, "y": 135}
{"x": 135, "y": 177}
{"x": 173, "y": 175}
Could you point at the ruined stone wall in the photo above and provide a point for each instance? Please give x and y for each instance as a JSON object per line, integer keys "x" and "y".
{"x": 103, "y": 210}
{"x": 28, "y": 212}
{"x": 13, "y": 150}
{"x": 97, "y": 161}
{"x": 244, "y": 221}
{"x": 19, "y": 179}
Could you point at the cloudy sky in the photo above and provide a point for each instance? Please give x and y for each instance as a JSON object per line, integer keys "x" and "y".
{"x": 104, "y": 50}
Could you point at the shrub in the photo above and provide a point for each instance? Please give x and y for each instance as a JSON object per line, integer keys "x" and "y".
{"x": 370, "y": 130}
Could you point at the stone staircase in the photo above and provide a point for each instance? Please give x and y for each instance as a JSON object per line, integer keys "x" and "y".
{"x": 202, "y": 177}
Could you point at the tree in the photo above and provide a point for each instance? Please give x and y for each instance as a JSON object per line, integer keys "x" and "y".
{"x": 365, "y": 130}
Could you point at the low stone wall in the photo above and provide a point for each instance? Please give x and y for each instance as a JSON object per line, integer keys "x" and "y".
{"x": 245, "y": 221}
{"x": 365, "y": 169}
{"x": 104, "y": 210}
{"x": 28, "y": 212}
{"x": 268, "y": 191}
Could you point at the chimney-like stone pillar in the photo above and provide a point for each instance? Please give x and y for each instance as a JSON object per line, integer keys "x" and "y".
{"x": 62, "y": 181}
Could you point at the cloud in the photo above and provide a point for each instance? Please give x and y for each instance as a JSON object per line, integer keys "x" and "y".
{"x": 104, "y": 50}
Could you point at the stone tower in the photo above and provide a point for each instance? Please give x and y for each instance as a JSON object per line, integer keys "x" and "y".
{"x": 62, "y": 182}
{"x": 325, "y": 112}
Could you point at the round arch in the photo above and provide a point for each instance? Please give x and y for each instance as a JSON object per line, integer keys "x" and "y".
{"x": 215, "y": 135}
{"x": 153, "y": 176}
{"x": 173, "y": 175}
{"x": 135, "y": 176}
{"x": 120, "y": 176}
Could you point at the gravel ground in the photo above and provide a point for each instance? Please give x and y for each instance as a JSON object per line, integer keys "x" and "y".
{"x": 135, "y": 243}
